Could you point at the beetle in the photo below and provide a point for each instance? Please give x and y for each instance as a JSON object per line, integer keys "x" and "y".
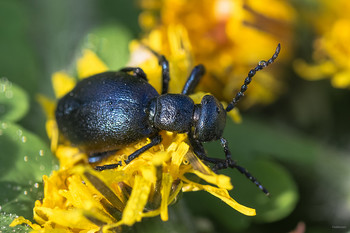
{"x": 111, "y": 110}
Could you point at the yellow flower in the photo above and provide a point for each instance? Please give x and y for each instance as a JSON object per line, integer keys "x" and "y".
{"x": 227, "y": 36}
{"x": 331, "y": 46}
{"x": 78, "y": 198}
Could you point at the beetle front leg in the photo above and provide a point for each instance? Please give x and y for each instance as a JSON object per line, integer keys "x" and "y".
{"x": 229, "y": 162}
{"x": 154, "y": 141}
{"x": 199, "y": 150}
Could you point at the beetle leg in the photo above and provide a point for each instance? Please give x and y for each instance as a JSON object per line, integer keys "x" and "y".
{"x": 199, "y": 150}
{"x": 163, "y": 62}
{"x": 193, "y": 80}
{"x": 229, "y": 162}
{"x": 219, "y": 164}
{"x": 154, "y": 141}
{"x": 96, "y": 157}
{"x": 136, "y": 70}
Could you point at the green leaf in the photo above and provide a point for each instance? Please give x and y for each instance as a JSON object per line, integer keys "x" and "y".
{"x": 253, "y": 144}
{"x": 283, "y": 190}
{"x": 14, "y": 101}
{"x": 25, "y": 159}
{"x": 274, "y": 177}
{"x": 18, "y": 62}
{"x": 110, "y": 43}
{"x": 180, "y": 221}
{"x": 6, "y": 219}
{"x": 253, "y": 138}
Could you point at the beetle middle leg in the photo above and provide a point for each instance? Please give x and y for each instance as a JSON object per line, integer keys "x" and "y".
{"x": 154, "y": 141}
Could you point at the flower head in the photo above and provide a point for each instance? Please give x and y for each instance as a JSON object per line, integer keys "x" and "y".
{"x": 226, "y": 36}
{"x": 331, "y": 54}
{"x": 78, "y": 198}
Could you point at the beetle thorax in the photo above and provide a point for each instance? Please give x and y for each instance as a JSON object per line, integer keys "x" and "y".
{"x": 172, "y": 112}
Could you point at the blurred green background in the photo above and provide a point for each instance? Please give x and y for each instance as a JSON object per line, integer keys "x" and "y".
{"x": 297, "y": 147}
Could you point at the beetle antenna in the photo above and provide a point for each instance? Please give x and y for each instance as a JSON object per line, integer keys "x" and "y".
{"x": 261, "y": 65}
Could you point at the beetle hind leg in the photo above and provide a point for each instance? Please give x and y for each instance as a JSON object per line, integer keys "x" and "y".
{"x": 137, "y": 72}
{"x": 96, "y": 157}
{"x": 163, "y": 62}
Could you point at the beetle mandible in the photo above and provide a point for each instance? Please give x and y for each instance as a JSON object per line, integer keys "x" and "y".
{"x": 110, "y": 110}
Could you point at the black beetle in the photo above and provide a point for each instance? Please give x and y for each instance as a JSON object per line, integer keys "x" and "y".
{"x": 108, "y": 111}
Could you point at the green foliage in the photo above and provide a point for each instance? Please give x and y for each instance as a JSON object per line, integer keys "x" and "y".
{"x": 6, "y": 219}
{"x": 41, "y": 37}
{"x": 24, "y": 159}
{"x": 111, "y": 43}
{"x": 10, "y": 94}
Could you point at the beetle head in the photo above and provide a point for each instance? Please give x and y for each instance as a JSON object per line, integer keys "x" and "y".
{"x": 210, "y": 120}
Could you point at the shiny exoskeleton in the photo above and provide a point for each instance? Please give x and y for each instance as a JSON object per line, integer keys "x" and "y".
{"x": 110, "y": 110}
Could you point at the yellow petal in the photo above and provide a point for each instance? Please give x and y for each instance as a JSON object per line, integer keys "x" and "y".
{"x": 235, "y": 115}
{"x": 167, "y": 182}
{"x": 69, "y": 218}
{"x": 62, "y": 83}
{"x": 20, "y": 220}
{"x": 219, "y": 193}
{"x": 224, "y": 196}
{"x": 221, "y": 181}
{"x": 90, "y": 64}
{"x": 52, "y": 133}
{"x": 138, "y": 199}
{"x": 79, "y": 194}
{"x": 314, "y": 72}
{"x": 177, "y": 158}
{"x": 70, "y": 156}
{"x": 48, "y": 105}
{"x": 341, "y": 80}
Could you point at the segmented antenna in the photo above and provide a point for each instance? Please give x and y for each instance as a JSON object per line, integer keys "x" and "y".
{"x": 261, "y": 65}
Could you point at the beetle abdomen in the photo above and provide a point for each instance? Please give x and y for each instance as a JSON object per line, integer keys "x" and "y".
{"x": 106, "y": 111}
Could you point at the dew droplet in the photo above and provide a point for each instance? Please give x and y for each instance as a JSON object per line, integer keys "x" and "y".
{"x": 19, "y": 132}
{"x": 36, "y": 185}
{"x": 24, "y": 139}
{"x": 41, "y": 152}
{"x": 262, "y": 63}
{"x": 55, "y": 167}
{"x": 4, "y": 125}
{"x": 25, "y": 192}
{"x": 25, "y": 158}
{"x": 8, "y": 94}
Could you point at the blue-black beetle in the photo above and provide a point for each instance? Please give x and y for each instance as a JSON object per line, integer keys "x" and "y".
{"x": 108, "y": 111}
